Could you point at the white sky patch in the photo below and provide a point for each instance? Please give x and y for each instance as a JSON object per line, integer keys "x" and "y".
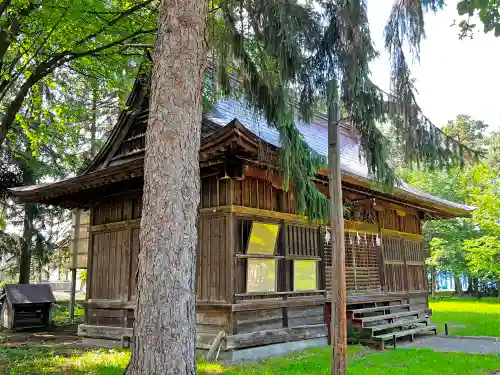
{"x": 454, "y": 76}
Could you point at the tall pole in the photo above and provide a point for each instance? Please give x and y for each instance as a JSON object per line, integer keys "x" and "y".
{"x": 338, "y": 315}
{"x": 74, "y": 236}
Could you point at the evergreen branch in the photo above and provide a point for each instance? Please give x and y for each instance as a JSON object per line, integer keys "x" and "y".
{"x": 298, "y": 162}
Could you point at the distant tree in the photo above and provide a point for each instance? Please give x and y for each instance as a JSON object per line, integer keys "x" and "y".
{"x": 483, "y": 256}
{"x": 467, "y": 131}
{"x": 492, "y": 143}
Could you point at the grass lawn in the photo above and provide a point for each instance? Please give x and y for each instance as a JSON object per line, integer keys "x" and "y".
{"x": 33, "y": 360}
{"x": 467, "y": 316}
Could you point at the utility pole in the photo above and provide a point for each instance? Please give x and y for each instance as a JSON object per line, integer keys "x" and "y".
{"x": 74, "y": 245}
{"x": 338, "y": 314}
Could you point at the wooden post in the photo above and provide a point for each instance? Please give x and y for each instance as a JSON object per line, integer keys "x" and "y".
{"x": 338, "y": 316}
{"x": 74, "y": 255}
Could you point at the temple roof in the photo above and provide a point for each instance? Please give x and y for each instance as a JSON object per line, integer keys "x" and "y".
{"x": 229, "y": 122}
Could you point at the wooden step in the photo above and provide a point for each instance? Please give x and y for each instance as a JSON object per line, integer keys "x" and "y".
{"x": 375, "y": 309}
{"x": 370, "y": 319}
{"x": 408, "y": 332}
{"x": 399, "y": 323}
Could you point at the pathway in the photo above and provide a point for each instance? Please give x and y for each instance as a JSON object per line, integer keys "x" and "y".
{"x": 457, "y": 344}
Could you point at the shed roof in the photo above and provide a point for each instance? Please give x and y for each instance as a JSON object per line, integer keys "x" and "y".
{"x": 22, "y": 294}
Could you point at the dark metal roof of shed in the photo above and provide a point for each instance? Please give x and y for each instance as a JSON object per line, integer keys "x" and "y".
{"x": 22, "y": 294}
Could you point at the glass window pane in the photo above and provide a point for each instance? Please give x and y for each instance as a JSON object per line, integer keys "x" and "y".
{"x": 261, "y": 275}
{"x": 263, "y": 238}
{"x": 304, "y": 275}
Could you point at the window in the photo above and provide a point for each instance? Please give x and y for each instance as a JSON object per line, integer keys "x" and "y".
{"x": 261, "y": 275}
{"x": 263, "y": 238}
{"x": 261, "y": 262}
{"x": 305, "y": 275}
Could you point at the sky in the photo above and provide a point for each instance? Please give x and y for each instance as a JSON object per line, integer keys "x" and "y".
{"x": 453, "y": 76}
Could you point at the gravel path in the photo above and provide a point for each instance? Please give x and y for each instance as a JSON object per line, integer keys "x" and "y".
{"x": 457, "y": 344}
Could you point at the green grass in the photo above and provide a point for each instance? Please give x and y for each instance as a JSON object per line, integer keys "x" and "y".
{"x": 33, "y": 360}
{"x": 467, "y": 316}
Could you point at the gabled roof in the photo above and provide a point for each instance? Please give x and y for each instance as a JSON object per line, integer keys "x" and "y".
{"x": 230, "y": 123}
{"x": 316, "y": 136}
{"x": 21, "y": 294}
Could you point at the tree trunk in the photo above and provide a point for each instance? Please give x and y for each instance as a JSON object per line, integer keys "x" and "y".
{"x": 475, "y": 287}
{"x": 338, "y": 316}
{"x": 433, "y": 281}
{"x": 164, "y": 329}
{"x": 470, "y": 289}
{"x": 498, "y": 287}
{"x": 458, "y": 286}
{"x": 27, "y": 238}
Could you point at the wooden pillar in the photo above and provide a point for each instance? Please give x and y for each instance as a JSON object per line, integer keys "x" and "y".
{"x": 74, "y": 256}
{"x": 338, "y": 316}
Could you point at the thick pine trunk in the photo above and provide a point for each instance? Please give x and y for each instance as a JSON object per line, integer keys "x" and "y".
{"x": 338, "y": 316}
{"x": 164, "y": 330}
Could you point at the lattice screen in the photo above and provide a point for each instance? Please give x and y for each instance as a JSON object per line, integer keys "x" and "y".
{"x": 362, "y": 262}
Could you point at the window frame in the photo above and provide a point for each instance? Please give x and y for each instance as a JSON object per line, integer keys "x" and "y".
{"x": 316, "y": 264}
{"x": 255, "y": 256}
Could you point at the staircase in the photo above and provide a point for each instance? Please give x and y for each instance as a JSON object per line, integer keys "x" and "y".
{"x": 381, "y": 321}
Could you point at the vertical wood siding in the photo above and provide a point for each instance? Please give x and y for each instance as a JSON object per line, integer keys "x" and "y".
{"x": 404, "y": 264}
{"x": 249, "y": 192}
{"x": 389, "y": 219}
{"x": 211, "y": 260}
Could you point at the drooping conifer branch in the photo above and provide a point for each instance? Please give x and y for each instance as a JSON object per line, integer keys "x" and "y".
{"x": 265, "y": 66}
{"x": 422, "y": 142}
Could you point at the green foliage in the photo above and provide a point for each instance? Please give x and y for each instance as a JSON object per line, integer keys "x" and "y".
{"x": 467, "y": 131}
{"x": 488, "y": 12}
{"x": 39, "y": 40}
{"x": 463, "y": 245}
{"x": 483, "y": 255}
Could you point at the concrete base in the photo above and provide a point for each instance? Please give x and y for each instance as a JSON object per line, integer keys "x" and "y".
{"x": 260, "y": 352}
{"x": 101, "y": 343}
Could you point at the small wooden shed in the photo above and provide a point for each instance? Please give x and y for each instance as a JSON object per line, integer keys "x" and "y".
{"x": 26, "y": 306}
{"x": 263, "y": 271}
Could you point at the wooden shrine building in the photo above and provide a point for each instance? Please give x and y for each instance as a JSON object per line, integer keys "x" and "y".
{"x": 263, "y": 271}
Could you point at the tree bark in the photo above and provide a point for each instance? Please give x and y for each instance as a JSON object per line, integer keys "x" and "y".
{"x": 498, "y": 287}
{"x": 458, "y": 286}
{"x": 433, "y": 281}
{"x": 470, "y": 289}
{"x": 27, "y": 239}
{"x": 164, "y": 329}
{"x": 338, "y": 316}
{"x": 475, "y": 287}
